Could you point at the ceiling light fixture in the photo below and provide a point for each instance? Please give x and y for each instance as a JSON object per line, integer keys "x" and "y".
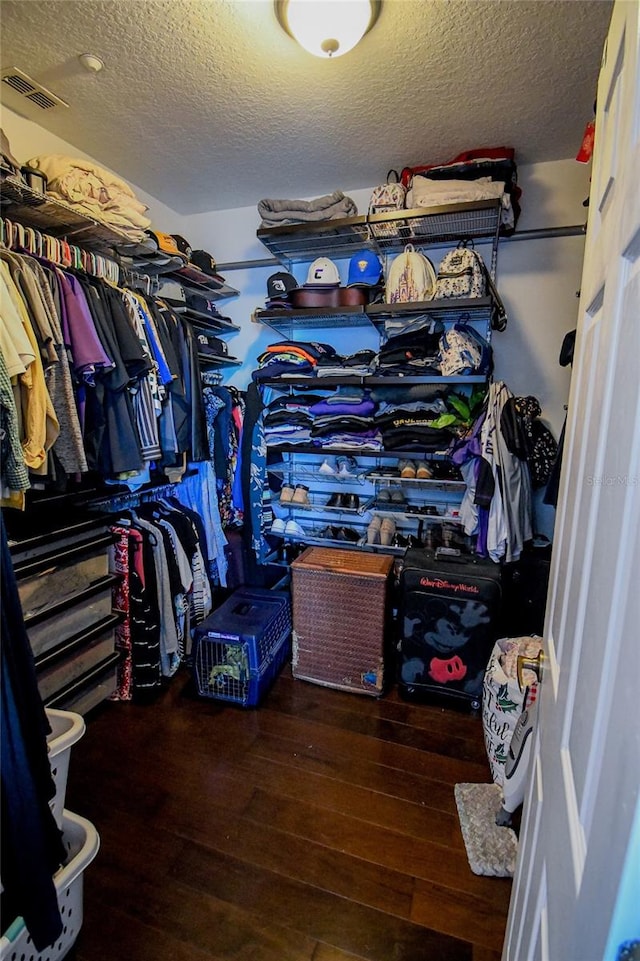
{"x": 327, "y": 28}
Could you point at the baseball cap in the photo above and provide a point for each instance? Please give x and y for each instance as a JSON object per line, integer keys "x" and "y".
{"x": 323, "y": 273}
{"x": 279, "y": 285}
{"x": 184, "y": 247}
{"x": 208, "y": 344}
{"x": 364, "y": 268}
{"x": 204, "y": 261}
{"x": 166, "y": 243}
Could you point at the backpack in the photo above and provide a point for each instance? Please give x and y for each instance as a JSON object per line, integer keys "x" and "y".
{"x": 411, "y": 278}
{"x": 461, "y": 274}
{"x": 463, "y": 351}
{"x": 386, "y": 198}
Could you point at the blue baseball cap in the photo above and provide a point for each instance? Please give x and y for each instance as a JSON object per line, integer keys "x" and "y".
{"x": 365, "y": 269}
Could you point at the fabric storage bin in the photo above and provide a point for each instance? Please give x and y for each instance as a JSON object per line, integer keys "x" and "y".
{"x": 54, "y": 577}
{"x": 71, "y": 616}
{"x": 75, "y": 658}
{"x": 340, "y": 614}
{"x": 91, "y": 689}
{"x": 66, "y": 729}
{"x": 241, "y": 647}
{"x": 82, "y": 842}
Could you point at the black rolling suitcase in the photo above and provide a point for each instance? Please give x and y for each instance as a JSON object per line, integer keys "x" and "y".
{"x": 449, "y": 619}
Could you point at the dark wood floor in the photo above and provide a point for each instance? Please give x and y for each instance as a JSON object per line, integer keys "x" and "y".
{"x": 320, "y": 827}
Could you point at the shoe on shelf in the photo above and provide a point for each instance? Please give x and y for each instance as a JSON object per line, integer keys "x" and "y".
{"x": 293, "y": 529}
{"x": 326, "y": 468}
{"x": 278, "y": 527}
{"x": 407, "y": 469}
{"x": 328, "y": 533}
{"x": 373, "y": 530}
{"x": 350, "y": 502}
{"x": 423, "y": 471}
{"x": 347, "y": 466}
{"x": 301, "y": 495}
{"x": 384, "y": 496}
{"x": 335, "y": 500}
{"x": 387, "y": 531}
{"x": 286, "y": 494}
{"x": 348, "y": 534}
{"x": 397, "y": 496}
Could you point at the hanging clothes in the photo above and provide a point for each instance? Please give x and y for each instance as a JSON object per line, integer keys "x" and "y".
{"x": 32, "y": 848}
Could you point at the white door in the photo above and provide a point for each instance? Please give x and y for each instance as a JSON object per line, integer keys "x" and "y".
{"x": 576, "y": 874}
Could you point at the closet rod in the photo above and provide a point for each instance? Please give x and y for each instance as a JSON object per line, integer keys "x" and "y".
{"x": 537, "y": 233}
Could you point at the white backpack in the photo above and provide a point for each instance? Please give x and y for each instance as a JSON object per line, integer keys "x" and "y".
{"x": 387, "y": 198}
{"x": 411, "y": 278}
{"x": 462, "y": 273}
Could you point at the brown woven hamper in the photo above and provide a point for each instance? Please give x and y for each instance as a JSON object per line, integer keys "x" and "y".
{"x": 340, "y": 611}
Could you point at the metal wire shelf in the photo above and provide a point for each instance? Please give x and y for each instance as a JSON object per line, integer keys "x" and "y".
{"x": 383, "y": 233}
{"x": 33, "y": 209}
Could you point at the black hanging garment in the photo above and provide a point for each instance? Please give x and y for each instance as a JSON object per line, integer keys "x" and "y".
{"x": 32, "y": 845}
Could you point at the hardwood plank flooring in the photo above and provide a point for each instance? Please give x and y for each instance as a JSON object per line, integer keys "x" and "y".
{"x": 319, "y": 827}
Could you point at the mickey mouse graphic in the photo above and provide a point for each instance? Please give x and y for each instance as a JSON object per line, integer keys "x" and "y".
{"x": 450, "y": 627}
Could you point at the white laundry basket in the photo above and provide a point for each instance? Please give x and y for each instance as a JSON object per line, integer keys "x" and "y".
{"x": 66, "y": 729}
{"x": 82, "y": 842}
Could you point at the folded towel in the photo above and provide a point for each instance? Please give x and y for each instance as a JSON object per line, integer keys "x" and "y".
{"x": 330, "y": 207}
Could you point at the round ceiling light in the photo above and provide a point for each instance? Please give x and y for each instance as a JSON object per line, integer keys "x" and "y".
{"x": 327, "y": 28}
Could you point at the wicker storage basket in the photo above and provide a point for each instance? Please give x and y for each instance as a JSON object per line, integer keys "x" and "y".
{"x": 340, "y": 611}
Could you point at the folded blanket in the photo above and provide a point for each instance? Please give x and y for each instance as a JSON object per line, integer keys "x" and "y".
{"x": 94, "y": 191}
{"x": 432, "y": 193}
{"x": 330, "y": 207}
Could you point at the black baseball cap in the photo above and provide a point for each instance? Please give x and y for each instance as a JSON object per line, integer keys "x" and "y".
{"x": 205, "y": 262}
{"x": 279, "y": 285}
{"x": 183, "y": 246}
{"x": 211, "y": 345}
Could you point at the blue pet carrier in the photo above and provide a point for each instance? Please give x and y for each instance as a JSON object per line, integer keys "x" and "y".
{"x": 241, "y": 647}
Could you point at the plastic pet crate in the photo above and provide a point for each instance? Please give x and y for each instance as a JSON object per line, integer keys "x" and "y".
{"x": 82, "y": 842}
{"x": 241, "y": 647}
{"x": 66, "y": 729}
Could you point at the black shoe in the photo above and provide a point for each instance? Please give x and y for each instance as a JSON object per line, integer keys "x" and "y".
{"x": 350, "y": 502}
{"x": 335, "y": 500}
{"x": 348, "y": 534}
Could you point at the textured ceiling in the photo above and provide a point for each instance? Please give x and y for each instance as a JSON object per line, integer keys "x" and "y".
{"x": 208, "y": 104}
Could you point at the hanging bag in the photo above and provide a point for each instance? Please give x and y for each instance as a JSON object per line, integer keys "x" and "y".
{"x": 387, "y": 198}
{"x": 411, "y": 278}
{"x": 463, "y": 273}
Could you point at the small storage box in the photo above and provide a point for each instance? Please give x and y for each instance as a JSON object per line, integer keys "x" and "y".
{"x": 82, "y": 842}
{"x": 240, "y": 648}
{"x": 340, "y": 613}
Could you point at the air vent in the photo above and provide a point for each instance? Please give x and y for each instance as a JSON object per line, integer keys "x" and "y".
{"x": 29, "y": 89}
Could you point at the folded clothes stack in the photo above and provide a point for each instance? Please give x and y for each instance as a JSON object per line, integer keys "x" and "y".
{"x": 291, "y": 358}
{"x": 415, "y": 351}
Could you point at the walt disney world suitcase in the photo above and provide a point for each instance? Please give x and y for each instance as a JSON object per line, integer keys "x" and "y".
{"x": 449, "y": 611}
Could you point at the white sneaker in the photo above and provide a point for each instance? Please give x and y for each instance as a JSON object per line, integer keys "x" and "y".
{"x": 278, "y": 527}
{"x": 326, "y": 468}
{"x": 293, "y": 529}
